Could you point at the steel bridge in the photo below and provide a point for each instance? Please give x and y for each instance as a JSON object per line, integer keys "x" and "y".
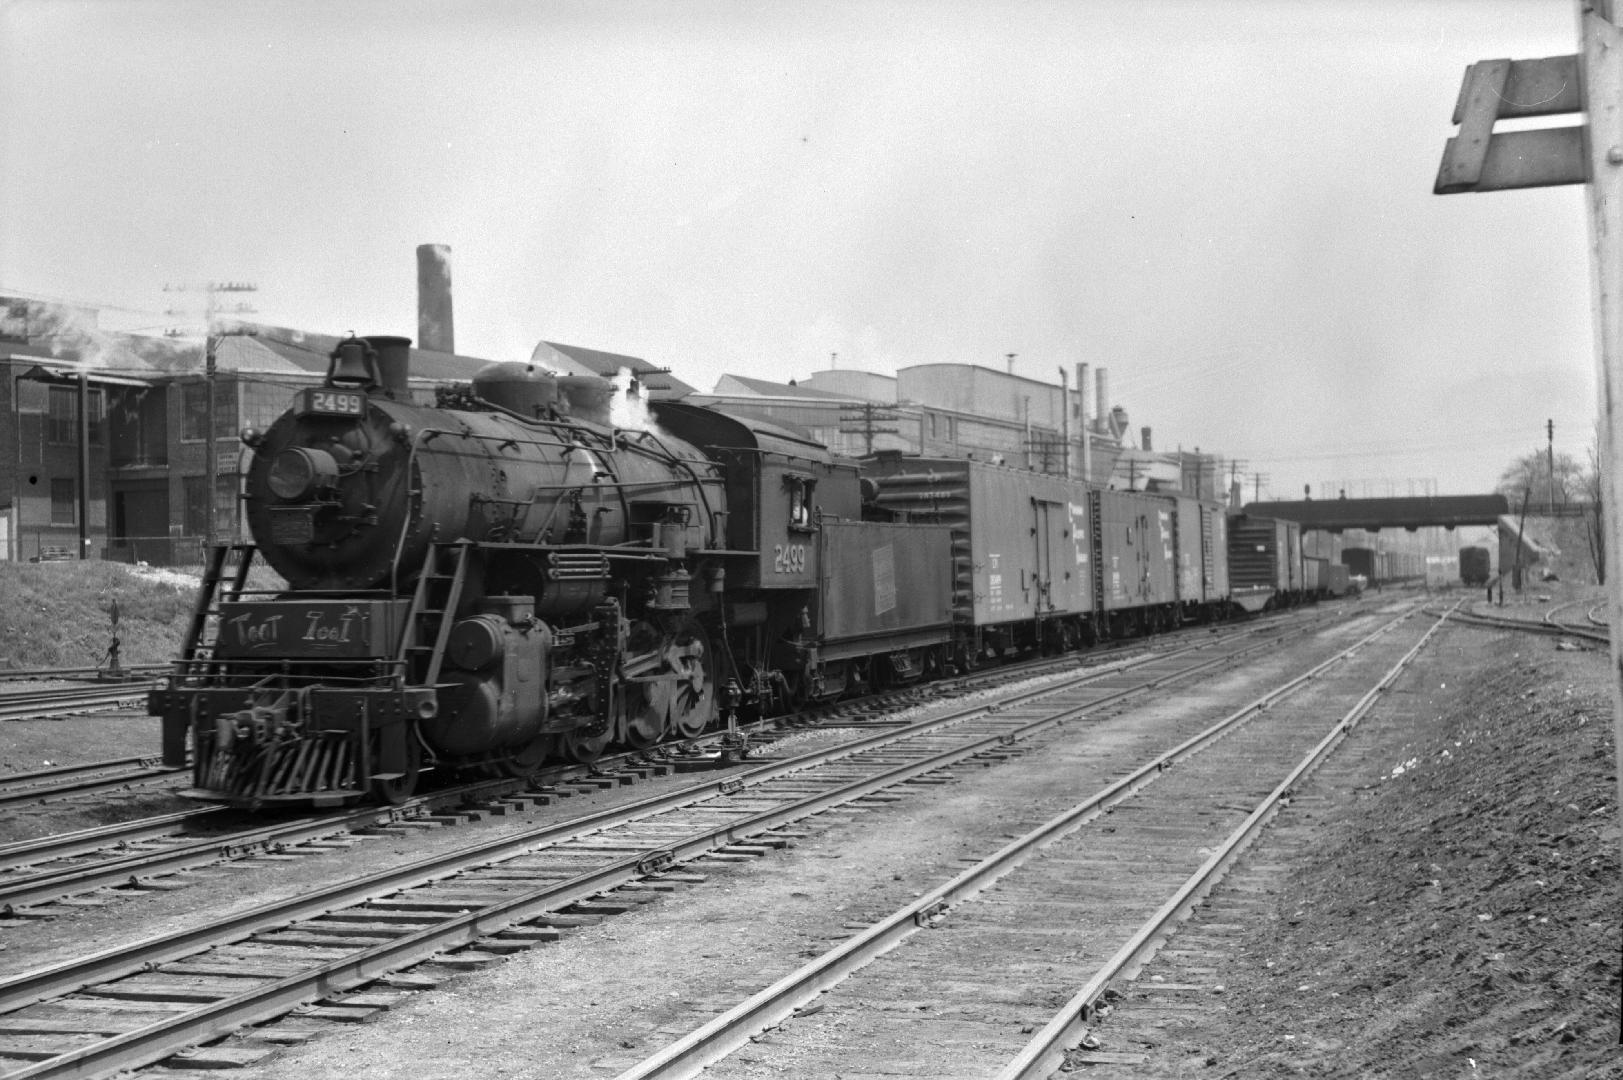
{"x": 1437, "y": 511}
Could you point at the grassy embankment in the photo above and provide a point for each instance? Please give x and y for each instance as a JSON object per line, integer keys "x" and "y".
{"x": 58, "y": 614}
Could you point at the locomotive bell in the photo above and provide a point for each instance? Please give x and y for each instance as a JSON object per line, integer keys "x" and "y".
{"x": 353, "y": 363}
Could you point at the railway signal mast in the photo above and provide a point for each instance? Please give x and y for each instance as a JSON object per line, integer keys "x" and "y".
{"x": 1480, "y": 159}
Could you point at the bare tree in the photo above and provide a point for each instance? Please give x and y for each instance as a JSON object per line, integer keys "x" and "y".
{"x": 1532, "y": 477}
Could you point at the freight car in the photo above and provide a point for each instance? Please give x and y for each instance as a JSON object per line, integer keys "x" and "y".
{"x": 1323, "y": 579}
{"x": 1045, "y": 562}
{"x": 510, "y": 576}
{"x": 1384, "y": 567}
{"x": 1475, "y": 566}
{"x": 1265, "y": 562}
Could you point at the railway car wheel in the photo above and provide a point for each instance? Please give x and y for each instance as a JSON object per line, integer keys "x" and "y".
{"x": 647, "y": 714}
{"x": 579, "y": 747}
{"x": 392, "y": 791}
{"x": 689, "y": 701}
{"x": 525, "y": 761}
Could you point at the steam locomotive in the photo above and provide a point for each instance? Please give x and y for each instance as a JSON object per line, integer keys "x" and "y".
{"x": 511, "y": 577}
{"x": 521, "y": 574}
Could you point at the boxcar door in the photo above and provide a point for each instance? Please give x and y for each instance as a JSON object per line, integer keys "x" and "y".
{"x": 1048, "y": 522}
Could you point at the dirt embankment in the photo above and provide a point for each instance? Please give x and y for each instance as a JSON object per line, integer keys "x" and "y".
{"x": 1461, "y": 921}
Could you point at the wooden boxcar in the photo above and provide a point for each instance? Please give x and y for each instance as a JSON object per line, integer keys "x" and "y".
{"x": 1265, "y": 562}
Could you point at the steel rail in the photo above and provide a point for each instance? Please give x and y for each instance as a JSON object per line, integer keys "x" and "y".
{"x": 67, "y": 772}
{"x": 1478, "y": 619}
{"x": 1045, "y": 1052}
{"x": 88, "y": 787}
{"x": 129, "y": 868}
{"x": 725, "y": 1033}
{"x": 29, "y": 987}
{"x": 157, "y": 1040}
{"x": 21, "y": 853}
{"x": 136, "y": 670}
{"x": 67, "y": 699}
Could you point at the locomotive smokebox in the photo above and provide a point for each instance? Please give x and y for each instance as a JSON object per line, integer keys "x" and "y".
{"x": 394, "y": 365}
{"x": 434, "y": 323}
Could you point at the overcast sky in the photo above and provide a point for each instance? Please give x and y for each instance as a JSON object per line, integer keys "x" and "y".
{"x": 1228, "y": 204}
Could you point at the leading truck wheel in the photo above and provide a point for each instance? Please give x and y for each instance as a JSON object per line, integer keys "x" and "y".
{"x": 579, "y": 747}
{"x": 394, "y": 789}
{"x": 524, "y": 761}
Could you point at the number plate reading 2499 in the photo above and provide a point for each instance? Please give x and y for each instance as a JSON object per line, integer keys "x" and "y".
{"x": 334, "y": 402}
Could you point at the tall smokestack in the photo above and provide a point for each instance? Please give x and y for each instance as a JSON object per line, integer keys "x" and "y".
{"x": 1145, "y": 432}
{"x": 1103, "y": 404}
{"x": 435, "y": 326}
{"x": 1085, "y": 425}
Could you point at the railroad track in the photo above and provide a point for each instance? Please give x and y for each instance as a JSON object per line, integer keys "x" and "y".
{"x": 57, "y": 701}
{"x": 90, "y": 778}
{"x": 145, "y": 854}
{"x": 1594, "y": 628}
{"x": 144, "y": 1002}
{"x": 134, "y": 671}
{"x": 1104, "y": 899}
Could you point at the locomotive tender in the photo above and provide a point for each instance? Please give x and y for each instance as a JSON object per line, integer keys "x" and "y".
{"x": 512, "y": 577}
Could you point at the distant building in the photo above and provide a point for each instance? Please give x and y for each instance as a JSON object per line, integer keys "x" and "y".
{"x": 145, "y": 490}
{"x": 574, "y": 360}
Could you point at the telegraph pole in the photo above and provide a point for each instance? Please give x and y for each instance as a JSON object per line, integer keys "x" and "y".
{"x": 211, "y": 449}
{"x": 1481, "y": 159}
{"x": 1549, "y": 426}
{"x": 867, "y": 417}
{"x": 213, "y": 307}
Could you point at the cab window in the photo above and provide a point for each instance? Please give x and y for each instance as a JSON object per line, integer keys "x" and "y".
{"x": 800, "y": 492}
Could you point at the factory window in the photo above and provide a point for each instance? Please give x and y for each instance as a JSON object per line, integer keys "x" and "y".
{"x": 195, "y": 504}
{"x": 30, "y": 396}
{"x": 64, "y": 502}
{"x": 62, "y": 416}
{"x": 194, "y": 410}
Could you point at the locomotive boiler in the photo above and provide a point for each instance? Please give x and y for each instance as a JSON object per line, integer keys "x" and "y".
{"x": 485, "y": 584}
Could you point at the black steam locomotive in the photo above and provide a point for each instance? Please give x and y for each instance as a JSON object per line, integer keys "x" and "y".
{"x": 512, "y": 577}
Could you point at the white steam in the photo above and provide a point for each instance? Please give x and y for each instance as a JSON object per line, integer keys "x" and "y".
{"x": 628, "y": 408}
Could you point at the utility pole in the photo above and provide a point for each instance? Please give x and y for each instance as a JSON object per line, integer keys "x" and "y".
{"x": 213, "y": 308}
{"x": 84, "y": 466}
{"x": 1549, "y": 427}
{"x": 1481, "y": 159}
{"x": 211, "y": 448}
{"x": 868, "y": 416}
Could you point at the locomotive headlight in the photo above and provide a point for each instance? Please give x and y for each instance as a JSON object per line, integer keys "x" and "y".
{"x": 299, "y": 472}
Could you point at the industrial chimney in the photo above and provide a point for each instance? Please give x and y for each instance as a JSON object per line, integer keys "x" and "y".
{"x": 1085, "y": 425}
{"x": 1103, "y": 399}
{"x": 435, "y": 326}
{"x": 1145, "y": 432}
